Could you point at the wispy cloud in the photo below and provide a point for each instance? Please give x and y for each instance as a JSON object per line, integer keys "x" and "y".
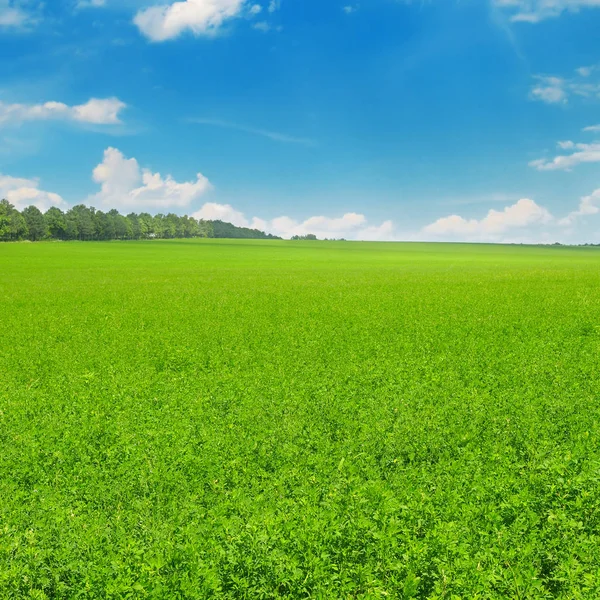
{"x": 262, "y": 26}
{"x": 534, "y": 11}
{"x": 13, "y": 17}
{"x": 558, "y": 90}
{"x": 272, "y": 135}
{"x": 90, "y": 3}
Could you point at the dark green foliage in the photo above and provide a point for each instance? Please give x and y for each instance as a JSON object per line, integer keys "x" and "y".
{"x": 37, "y": 228}
{"x": 57, "y": 223}
{"x": 247, "y": 419}
{"x": 85, "y": 223}
{"x": 83, "y": 218}
{"x": 12, "y": 223}
{"x": 308, "y": 237}
{"x": 227, "y": 230}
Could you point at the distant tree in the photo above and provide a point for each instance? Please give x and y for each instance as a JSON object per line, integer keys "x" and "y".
{"x": 308, "y": 236}
{"x": 5, "y": 211}
{"x": 122, "y": 226}
{"x": 71, "y": 227}
{"x": 227, "y": 230}
{"x": 12, "y": 224}
{"x": 56, "y": 223}
{"x": 18, "y": 226}
{"x": 158, "y": 225}
{"x": 36, "y": 224}
{"x": 104, "y": 226}
{"x": 86, "y": 223}
{"x": 171, "y": 226}
{"x": 205, "y": 229}
{"x": 84, "y": 219}
{"x": 134, "y": 220}
{"x": 146, "y": 225}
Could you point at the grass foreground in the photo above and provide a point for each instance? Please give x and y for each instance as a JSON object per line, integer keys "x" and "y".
{"x": 249, "y": 419}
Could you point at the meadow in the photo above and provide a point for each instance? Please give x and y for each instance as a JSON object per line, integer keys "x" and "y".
{"x": 266, "y": 419}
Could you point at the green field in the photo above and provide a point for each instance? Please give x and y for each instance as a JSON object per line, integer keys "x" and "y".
{"x": 249, "y": 419}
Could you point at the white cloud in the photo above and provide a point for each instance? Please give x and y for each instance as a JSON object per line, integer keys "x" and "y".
{"x": 125, "y": 185}
{"x": 550, "y": 90}
{"x": 200, "y": 17}
{"x": 534, "y": 11}
{"x": 262, "y": 26}
{"x": 12, "y": 16}
{"x": 592, "y": 129}
{"x": 90, "y": 3}
{"x": 351, "y": 226}
{"x": 583, "y": 153}
{"x": 273, "y": 6}
{"x": 22, "y": 193}
{"x": 589, "y": 205}
{"x": 495, "y": 226}
{"x": 584, "y": 71}
{"x": 211, "y": 211}
{"x": 350, "y": 8}
{"x": 95, "y": 111}
{"x": 255, "y": 9}
{"x": 558, "y": 90}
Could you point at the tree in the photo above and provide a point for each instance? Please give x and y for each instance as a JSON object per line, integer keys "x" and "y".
{"x": 18, "y": 226}
{"x": 71, "y": 227}
{"x": 158, "y": 227}
{"x": 205, "y": 229}
{"x": 12, "y": 224}
{"x": 5, "y": 211}
{"x": 84, "y": 219}
{"x": 308, "y": 236}
{"x": 227, "y": 230}
{"x": 123, "y": 229}
{"x": 86, "y": 223}
{"x": 146, "y": 225}
{"x": 36, "y": 224}
{"x": 56, "y": 223}
{"x": 136, "y": 231}
{"x": 104, "y": 226}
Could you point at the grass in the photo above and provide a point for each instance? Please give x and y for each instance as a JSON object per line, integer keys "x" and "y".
{"x": 248, "y": 419}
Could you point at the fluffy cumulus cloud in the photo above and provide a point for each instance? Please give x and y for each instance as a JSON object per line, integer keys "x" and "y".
{"x": 558, "y": 90}
{"x": 125, "y": 186}
{"x": 95, "y": 111}
{"x": 534, "y": 11}
{"x": 22, "y": 193}
{"x": 350, "y": 226}
{"x": 577, "y": 154}
{"x": 495, "y": 226}
{"x": 589, "y": 205}
{"x": 200, "y": 17}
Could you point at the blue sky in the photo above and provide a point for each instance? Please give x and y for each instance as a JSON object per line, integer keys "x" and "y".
{"x": 471, "y": 120}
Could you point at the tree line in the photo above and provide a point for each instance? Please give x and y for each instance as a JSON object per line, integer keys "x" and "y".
{"x": 85, "y": 223}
